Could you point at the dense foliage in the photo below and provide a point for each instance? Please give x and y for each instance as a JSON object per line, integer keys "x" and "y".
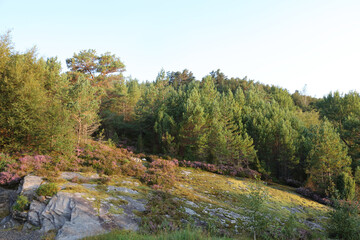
{"x": 344, "y": 221}
{"x": 219, "y": 122}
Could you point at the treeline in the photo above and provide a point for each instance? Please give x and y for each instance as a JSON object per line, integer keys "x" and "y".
{"x": 219, "y": 120}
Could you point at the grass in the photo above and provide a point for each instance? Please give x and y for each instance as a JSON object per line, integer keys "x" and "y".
{"x": 214, "y": 198}
{"x": 216, "y": 191}
{"x": 184, "y": 234}
{"x": 116, "y": 210}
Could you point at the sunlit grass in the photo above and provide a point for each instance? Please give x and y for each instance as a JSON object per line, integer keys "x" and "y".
{"x": 184, "y": 234}
{"x": 226, "y": 192}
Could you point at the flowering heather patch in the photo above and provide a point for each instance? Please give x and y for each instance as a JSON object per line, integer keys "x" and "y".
{"x": 161, "y": 173}
{"x": 100, "y": 157}
{"x": 313, "y": 196}
{"x": 5, "y": 160}
{"x": 7, "y": 178}
{"x": 30, "y": 164}
{"x": 220, "y": 169}
{"x": 38, "y": 164}
{"x": 133, "y": 169}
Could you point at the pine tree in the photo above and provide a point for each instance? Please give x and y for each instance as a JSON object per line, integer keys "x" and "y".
{"x": 33, "y": 99}
{"x": 193, "y": 132}
{"x": 84, "y": 106}
{"x": 327, "y": 158}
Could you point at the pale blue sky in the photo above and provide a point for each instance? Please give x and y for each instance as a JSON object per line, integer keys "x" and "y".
{"x": 287, "y": 43}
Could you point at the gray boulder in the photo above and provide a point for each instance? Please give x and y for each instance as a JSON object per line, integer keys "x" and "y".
{"x": 73, "y": 217}
{"x": 29, "y": 186}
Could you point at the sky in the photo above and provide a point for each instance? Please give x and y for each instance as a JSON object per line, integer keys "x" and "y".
{"x": 308, "y": 45}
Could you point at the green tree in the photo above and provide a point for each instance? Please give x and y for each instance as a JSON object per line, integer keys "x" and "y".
{"x": 259, "y": 218}
{"x": 274, "y": 129}
{"x": 344, "y": 221}
{"x": 343, "y": 110}
{"x": 193, "y": 132}
{"x": 177, "y": 79}
{"x": 33, "y": 100}
{"x": 84, "y": 105}
{"x": 327, "y": 158}
{"x": 345, "y": 186}
{"x": 97, "y": 67}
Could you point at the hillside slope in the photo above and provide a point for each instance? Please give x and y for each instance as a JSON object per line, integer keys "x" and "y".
{"x": 217, "y": 203}
{"x": 156, "y": 195}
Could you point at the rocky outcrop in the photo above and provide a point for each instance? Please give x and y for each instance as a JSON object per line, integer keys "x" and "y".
{"x": 67, "y": 213}
{"x": 79, "y": 176}
{"x": 7, "y": 198}
{"x": 126, "y": 220}
{"x": 34, "y": 214}
{"x": 73, "y": 215}
{"x": 29, "y": 186}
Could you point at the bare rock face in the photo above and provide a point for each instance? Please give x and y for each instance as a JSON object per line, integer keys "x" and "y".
{"x": 72, "y": 175}
{"x": 35, "y": 211}
{"x": 29, "y": 186}
{"x": 57, "y": 212}
{"x": 121, "y": 189}
{"x": 7, "y": 197}
{"x": 73, "y": 217}
{"x": 126, "y": 220}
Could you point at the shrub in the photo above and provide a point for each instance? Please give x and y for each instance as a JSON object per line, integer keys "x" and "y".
{"x": 8, "y": 178}
{"x": 258, "y": 217}
{"x": 38, "y": 164}
{"x": 357, "y": 175}
{"x": 307, "y": 192}
{"x": 21, "y": 204}
{"x": 100, "y": 157}
{"x": 345, "y": 185}
{"x": 220, "y": 169}
{"x": 293, "y": 183}
{"x": 48, "y": 189}
{"x": 5, "y": 159}
{"x": 290, "y": 230}
{"x": 344, "y": 221}
{"x": 134, "y": 169}
{"x": 163, "y": 212}
{"x": 161, "y": 174}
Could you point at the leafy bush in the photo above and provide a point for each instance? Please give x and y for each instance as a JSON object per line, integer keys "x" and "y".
{"x": 48, "y": 189}
{"x": 344, "y": 221}
{"x": 345, "y": 185}
{"x": 21, "y": 204}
